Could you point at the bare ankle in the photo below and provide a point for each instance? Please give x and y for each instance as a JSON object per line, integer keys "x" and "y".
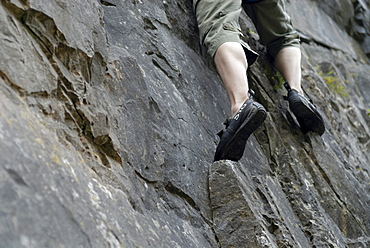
{"x": 298, "y": 90}
{"x": 235, "y": 107}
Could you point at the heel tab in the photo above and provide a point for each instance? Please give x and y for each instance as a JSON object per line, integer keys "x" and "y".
{"x": 287, "y": 87}
{"x": 251, "y": 93}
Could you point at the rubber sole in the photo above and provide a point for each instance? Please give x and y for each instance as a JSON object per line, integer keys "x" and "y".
{"x": 306, "y": 117}
{"x": 234, "y": 149}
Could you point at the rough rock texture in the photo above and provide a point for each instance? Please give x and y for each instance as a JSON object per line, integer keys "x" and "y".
{"x": 108, "y": 115}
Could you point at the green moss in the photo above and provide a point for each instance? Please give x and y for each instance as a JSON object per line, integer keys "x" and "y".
{"x": 275, "y": 78}
{"x": 333, "y": 82}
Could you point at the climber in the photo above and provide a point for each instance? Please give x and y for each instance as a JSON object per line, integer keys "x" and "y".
{"x": 219, "y": 31}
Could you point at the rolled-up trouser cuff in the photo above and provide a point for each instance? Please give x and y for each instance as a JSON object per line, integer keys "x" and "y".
{"x": 273, "y": 25}
{"x": 250, "y": 54}
{"x": 218, "y": 22}
{"x": 291, "y": 40}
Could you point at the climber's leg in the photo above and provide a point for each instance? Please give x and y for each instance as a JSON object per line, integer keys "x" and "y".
{"x": 232, "y": 65}
{"x": 288, "y": 63}
{"x": 219, "y": 30}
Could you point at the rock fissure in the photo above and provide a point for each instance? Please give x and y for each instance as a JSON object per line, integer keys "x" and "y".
{"x": 176, "y": 191}
{"x": 107, "y": 3}
{"x": 21, "y": 92}
{"x": 109, "y": 111}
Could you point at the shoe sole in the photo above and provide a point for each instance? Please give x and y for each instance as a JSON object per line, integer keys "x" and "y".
{"x": 306, "y": 117}
{"x": 234, "y": 149}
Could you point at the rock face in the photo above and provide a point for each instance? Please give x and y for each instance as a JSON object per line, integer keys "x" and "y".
{"x": 108, "y": 115}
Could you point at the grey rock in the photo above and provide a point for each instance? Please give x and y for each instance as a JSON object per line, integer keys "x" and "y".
{"x": 108, "y": 115}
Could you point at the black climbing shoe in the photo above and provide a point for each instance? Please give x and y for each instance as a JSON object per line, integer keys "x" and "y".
{"x": 238, "y": 129}
{"x": 305, "y": 112}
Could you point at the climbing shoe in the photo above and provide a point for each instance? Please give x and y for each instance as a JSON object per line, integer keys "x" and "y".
{"x": 238, "y": 129}
{"x": 305, "y": 112}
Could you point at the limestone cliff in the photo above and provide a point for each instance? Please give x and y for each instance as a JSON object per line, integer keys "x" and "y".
{"x": 108, "y": 116}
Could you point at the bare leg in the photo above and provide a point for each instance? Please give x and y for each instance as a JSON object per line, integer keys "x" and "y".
{"x": 288, "y": 63}
{"x": 232, "y": 65}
